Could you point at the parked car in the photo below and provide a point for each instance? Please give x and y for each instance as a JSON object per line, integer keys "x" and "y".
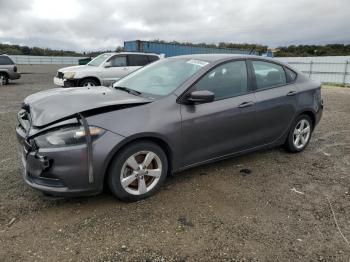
{"x": 168, "y": 116}
{"x": 104, "y": 70}
{"x": 8, "y": 70}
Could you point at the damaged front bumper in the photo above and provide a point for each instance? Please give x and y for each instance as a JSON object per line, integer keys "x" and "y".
{"x": 65, "y": 82}
{"x": 64, "y": 171}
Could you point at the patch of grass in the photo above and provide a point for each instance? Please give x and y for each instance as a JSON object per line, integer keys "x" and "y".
{"x": 335, "y": 84}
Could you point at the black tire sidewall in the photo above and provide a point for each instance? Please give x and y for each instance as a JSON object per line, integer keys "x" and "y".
{"x": 118, "y": 161}
{"x": 5, "y": 77}
{"x": 289, "y": 143}
{"x": 82, "y": 82}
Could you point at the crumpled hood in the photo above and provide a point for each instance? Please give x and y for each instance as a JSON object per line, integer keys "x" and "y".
{"x": 78, "y": 68}
{"x": 52, "y": 105}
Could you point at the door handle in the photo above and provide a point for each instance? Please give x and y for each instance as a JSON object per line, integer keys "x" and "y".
{"x": 246, "y": 104}
{"x": 292, "y": 93}
{"x": 125, "y": 68}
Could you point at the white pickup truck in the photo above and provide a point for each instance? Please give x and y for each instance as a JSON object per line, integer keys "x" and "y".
{"x": 104, "y": 70}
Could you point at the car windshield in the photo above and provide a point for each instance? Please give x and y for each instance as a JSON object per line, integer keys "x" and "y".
{"x": 162, "y": 77}
{"x": 99, "y": 60}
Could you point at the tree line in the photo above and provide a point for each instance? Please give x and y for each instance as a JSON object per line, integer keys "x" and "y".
{"x": 314, "y": 50}
{"x": 292, "y": 50}
{"x": 38, "y": 51}
{"x": 253, "y": 47}
{"x": 26, "y": 50}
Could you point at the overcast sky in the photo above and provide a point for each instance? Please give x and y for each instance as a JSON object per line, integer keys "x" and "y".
{"x": 104, "y": 24}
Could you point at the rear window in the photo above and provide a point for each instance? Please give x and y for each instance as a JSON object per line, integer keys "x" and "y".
{"x": 153, "y": 58}
{"x": 4, "y": 60}
{"x": 138, "y": 60}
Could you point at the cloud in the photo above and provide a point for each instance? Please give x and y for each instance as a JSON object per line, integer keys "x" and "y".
{"x": 104, "y": 24}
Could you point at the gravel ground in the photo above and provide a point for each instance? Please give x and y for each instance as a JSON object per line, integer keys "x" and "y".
{"x": 281, "y": 211}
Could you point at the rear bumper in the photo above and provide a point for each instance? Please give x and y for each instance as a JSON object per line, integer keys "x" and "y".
{"x": 319, "y": 113}
{"x": 14, "y": 76}
{"x": 64, "y": 171}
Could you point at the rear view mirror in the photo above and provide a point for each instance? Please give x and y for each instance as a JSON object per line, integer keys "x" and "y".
{"x": 108, "y": 64}
{"x": 200, "y": 97}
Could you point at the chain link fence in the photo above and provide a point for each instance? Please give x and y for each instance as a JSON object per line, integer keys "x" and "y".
{"x": 331, "y": 69}
{"x": 327, "y": 69}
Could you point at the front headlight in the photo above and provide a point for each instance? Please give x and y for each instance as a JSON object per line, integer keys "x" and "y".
{"x": 69, "y": 75}
{"x": 67, "y": 136}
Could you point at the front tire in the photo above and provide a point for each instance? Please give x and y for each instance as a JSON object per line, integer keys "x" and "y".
{"x": 4, "y": 80}
{"x": 89, "y": 82}
{"x": 138, "y": 171}
{"x": 300, "y": 134}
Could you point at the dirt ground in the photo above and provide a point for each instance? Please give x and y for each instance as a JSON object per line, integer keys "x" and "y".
{"x": 281, "y": 211}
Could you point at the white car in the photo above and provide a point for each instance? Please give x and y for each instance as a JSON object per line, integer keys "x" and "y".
{"x": 104, "y": 70}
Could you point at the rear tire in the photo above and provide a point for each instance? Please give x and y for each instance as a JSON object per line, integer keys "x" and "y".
{"x": 89, "y": 82}
{"x": 4, "y": 80}
{"x": 138, "y": 171}
{"x": 299, "y": 134}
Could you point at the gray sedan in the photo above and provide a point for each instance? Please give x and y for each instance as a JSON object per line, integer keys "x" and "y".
{"x": 171, "y": 115}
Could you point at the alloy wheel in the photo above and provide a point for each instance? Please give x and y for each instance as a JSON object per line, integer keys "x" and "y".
{"x": 141, "y": 172}
{"x": 2, "y": 80}
{"x": 89, "y": 84}
{"x": 301, "y": 134}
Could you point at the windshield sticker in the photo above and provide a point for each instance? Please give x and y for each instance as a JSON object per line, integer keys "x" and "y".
{"x": 197, "y": 62}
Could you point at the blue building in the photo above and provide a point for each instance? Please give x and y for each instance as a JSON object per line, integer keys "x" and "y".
{"x": 169, "y": 49}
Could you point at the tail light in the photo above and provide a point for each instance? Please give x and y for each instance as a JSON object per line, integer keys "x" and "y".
{"x": 15, "y": 69}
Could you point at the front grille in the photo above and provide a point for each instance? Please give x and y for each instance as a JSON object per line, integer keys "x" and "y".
{"x": 60, "y": 75}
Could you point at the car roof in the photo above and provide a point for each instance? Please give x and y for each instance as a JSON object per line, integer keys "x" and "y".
{"x": 221, "y": 57}
{"x": 132, "y": 53}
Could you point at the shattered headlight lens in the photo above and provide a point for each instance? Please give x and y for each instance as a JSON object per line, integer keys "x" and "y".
{"x": 67, "y": 136}
{"x": 69, "y": 75}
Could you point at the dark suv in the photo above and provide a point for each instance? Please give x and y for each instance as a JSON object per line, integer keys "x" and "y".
{"x": 8, "y": 70}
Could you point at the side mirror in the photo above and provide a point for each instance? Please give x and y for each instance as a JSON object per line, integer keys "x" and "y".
{"x": 201, "y": 97}
{"x": 108, "y": 64}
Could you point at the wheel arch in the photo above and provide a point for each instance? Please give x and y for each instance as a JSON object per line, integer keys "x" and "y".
{"x": 5, "y": 73}
{"x": 89, "y": 77}
{"x": 310, "y": 114}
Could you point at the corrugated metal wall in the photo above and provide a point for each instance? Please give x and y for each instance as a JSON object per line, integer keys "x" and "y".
{"x": 177, "y": 49}
{"x": 326, "y": 69}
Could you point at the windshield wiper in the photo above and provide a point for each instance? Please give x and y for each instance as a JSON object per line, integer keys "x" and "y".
{"x": 130, "y": 91}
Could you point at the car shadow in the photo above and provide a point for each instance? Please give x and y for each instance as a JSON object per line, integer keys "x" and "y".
{"x": 106, "y": 197}
{"x": 10, "y": 84}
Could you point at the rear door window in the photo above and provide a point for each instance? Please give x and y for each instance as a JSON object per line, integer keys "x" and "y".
{"x": 138, "y": 60}
{"x": 4, "y": 60}
{"x": 268, "y": 74}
